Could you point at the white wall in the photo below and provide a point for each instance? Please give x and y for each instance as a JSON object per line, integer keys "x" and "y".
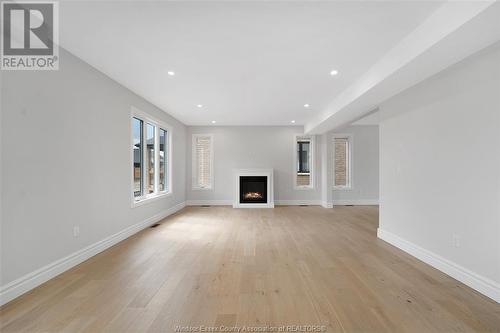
{"x": 440, "y": 171}
{"x": 365, "y": 167}
{"x": 273, "y": 147}
{"x": 65, "y": 139}
{"x": 237, "y": 147}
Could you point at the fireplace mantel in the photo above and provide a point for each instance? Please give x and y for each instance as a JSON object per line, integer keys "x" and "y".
{"x": 254, "y": 172}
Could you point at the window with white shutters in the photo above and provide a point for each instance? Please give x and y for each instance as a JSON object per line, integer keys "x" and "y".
{"x": 342, "y": 162}
{"x": 202, "y": 161}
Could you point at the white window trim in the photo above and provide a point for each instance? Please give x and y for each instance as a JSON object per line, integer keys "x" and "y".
{"x": 147, "y": 198}
{"x": 350, "y": 139}
{"x": 312, "y": 155}
{"x": 194, "y": 162}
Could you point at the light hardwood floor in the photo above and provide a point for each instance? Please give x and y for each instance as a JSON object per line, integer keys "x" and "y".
{"x": 255, "y": 267}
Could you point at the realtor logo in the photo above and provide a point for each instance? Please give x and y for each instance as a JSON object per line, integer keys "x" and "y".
{"x": 30, "y": 36}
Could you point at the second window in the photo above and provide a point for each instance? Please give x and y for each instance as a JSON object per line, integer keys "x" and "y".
{"x": 304, "y": 148}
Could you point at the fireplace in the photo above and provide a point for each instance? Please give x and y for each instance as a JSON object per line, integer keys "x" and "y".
{"x": 253, "y": 189}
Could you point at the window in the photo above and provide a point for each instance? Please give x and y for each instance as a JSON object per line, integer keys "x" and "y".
{"x": 304, "y": 148}
{"x": 150, "y": 158}
{"x": 137, "y": 155}
{"x": 342, "y": 162}
{"x": 202, "y": 161}
{"x": 163, "y": 160}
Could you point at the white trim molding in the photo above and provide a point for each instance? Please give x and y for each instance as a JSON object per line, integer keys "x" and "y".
{"x": 32, "y": 280}
{"x": 276, "y": 203}
{"x": 298, "y": 202}
{"x": 325, "y": 204}
{"x": 209, "y": 202}
{"x": 477, "y": 282}
{"x": 356, "y": 202}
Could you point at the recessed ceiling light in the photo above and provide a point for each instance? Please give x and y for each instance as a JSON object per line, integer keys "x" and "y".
{"x": 306, "y": 105}
{"x": 171, "y": 73}
{"x": 199, "y": 105}
{"x": 213, "y": 121}
{"x": 293, "y": 121}
{"x": 334, "y": 72}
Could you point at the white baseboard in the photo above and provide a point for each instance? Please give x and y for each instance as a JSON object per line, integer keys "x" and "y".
{"x": 325, "y": 204}
{"x": 230, "y": 202}
{"x": 31, "y": 280}
{"x": 361, "y": 202}
{"x": 357, "y": 202}
{"x": 298, "y": 202}
{"x": 209, "y": 202}
{"x": 477, "y": 282}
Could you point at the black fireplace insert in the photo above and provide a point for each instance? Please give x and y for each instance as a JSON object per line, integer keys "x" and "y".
{"x": 253, "y": 189}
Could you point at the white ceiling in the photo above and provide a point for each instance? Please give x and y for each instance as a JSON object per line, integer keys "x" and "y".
{"x": 247, "y": 63}
{"x": 456, "y": 30}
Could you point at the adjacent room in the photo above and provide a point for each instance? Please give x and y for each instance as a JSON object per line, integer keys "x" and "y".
{"x": 250, "y": 166}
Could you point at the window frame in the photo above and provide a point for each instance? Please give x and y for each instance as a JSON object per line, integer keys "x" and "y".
{"x": 194, "y": 163}
{"x": 166, "y": 162}
{"x": 312, "y": 154}
{"x": 350, "y": 150}
{"x": 155, "y": 127}
{"x": 141, "y": 135}
{"x": 150, "y": 197}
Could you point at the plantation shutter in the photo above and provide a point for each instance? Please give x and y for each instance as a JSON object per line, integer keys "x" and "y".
{"x": 341, "y": 177}
{"x": 203, "y": 151}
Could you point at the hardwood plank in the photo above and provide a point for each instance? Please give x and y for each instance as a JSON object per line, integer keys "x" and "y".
{"x": 259, "y": 267}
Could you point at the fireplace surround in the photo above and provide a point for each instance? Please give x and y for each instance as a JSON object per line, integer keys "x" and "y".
{"x": 253, "y": 188}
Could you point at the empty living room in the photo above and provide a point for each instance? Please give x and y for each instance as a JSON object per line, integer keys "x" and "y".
{"x": 250, "y": 166}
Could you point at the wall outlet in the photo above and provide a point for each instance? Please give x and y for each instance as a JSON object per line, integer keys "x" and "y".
{"x": 76, "y": 231}
{"x": 456, "y": 240}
